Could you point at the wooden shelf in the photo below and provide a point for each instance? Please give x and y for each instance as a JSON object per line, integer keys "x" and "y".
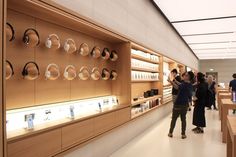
{"x": 143, "y": 59}
{"x": 140, "y": 114}
{"x": 144, "y": 70}
{"x": 137, "y": 81}
{"x": 139, "y": 101}
{"x": 168, "y": 85}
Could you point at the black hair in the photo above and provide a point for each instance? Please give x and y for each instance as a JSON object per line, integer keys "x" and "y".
{"x": 234, "y": 75}
{"x": 191, "y": 76}
{"x": 200, "y": 77}
{"x": 174, "y": 71}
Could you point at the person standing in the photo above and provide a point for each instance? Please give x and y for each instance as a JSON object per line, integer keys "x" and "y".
{"x": 232, "y": 86}
{"x": 181, "y": 104}
{"x": 211, "y": 92}
{"x": 177, "y": 78}
{"x": 200, "y": 99}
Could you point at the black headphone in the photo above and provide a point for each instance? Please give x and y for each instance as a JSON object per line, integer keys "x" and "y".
{"x": 12, "y": 30}
{"x": 12, "y": 70}
{"x": 104, "y": 51}
{"x": 111, "y": 75}
{"x": 25, "y": 71}
{"x": 103, "y": 72}
{"x": 26, "y": 37}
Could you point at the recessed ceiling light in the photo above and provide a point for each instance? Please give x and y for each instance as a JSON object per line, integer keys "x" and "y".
{"x": 211, "y": 69}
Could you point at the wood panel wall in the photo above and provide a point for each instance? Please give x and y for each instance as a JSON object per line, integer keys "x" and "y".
{"x": 23, "y": 93}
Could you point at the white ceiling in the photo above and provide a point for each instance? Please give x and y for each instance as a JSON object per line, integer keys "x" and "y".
{"x": 207, "y": 26}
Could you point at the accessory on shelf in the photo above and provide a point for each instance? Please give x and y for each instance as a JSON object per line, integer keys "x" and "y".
{"x": 53, "y": 41}
{"x": 154, "y": 92}
{"x": 9, "y": 70}
{"x": 96, "y": 52}
{"x": 70, "y": 72}
{"x": 113, "y": 75}
{"x": 30, "y": 71}
{"x": 105, "y": 74}
{"x": 10, "y": 32}
{"x": 113, "y": 55}
{"x": 31, "y": 37}
{"x": 84, "y": 49}
{"x": 70, "y": 45}
{"x": 95, "y": 75}
{"x": 135, "y": 99}
{"x": 105, "y": 53}
{"x": 84, "y": 73}
{"x": 52, "y": 71}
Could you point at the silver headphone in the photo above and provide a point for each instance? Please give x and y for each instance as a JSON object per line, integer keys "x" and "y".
{"x": 66, "y": 73}
{"x": 49, "y": 43}
{"x": 48, "y": 73}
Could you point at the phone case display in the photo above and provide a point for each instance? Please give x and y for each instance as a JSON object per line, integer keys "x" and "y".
{"x": 53, "y": 41}
{"x": 30, "y": 71}
{"x": 9, "y": 70}
{"x": 167, "y": 94}
{"x": 52, "y": 72}
{"x": 84, "y": 49}
{"x": 28, "y": 118}
{"x": 31, "y": 37}
{"x": 145, "y": 55}
{"x": 144, "y": 76}
{"x": 70, "y": 72}
{"x": 135, "y": 63}
{"x": 10, "y": 32}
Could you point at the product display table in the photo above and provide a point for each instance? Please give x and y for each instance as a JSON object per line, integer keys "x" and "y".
{"x": 224, "y": 95}
{"x": 226, "y": 105}
{"x": 231, "y": 136}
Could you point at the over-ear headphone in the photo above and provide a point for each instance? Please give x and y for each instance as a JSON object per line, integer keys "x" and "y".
{"x": 26, "y": 38}
{"x": 95, "y": 75}
{"x": 48, "y": 72}
{"x": 105, "y": 53}
{"x": 105, "y": 74}
{"x": 25, "y": 71}
{"x": 49, "y": 43}
{"x": 113, "y": 75}
{"x": 12, "y": 31}
{"x": 84, "y": 73}
{"x": 12, "y": 70}
{"x": 70, "y": 45}
{"x": 113, "y": 55}
{"x": 84, "y": 49}
{"x": 66, "y": 73}
{"x": 96, "y": 52}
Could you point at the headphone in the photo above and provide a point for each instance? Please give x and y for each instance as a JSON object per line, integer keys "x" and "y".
{"x": 113, "y": 55}
{"x": 105, "y": 74}
{"x": 93, "y": 74}
{"x": 66, "y": 73}
{"x": 25, "y": 70}
{"x": 49, "y": 43}
{"x": 113, "y": 75}
{"x": 26, "y": 38}
{"x": 67, "y": 45}
{"x": 12, "y": 70}
{"x": 12, "y": 31}
{"x": 105, "y": 53}
{"x": 84, "y": 49}
{"x": 94, "y": 50}
{"x": 83, "y": 69}
{"x": 48, "y": 73}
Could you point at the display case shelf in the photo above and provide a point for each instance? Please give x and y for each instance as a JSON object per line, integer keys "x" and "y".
{"x": 143, "y": 59}
{"x": 142, "y": 100}
{"x": 145, "y": 112}
{"x": 145, "y": 70}
{"x": 138, "y": 81}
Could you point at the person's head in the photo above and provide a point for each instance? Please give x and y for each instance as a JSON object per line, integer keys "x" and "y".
{"x": 210, "y": 78}
{"x": 191, "y": 76}
{"x": 200, "y": 77}
{"x": 185, "y": 77}
{"x": 234, "y": 76}
{"x": 174, "y": 72}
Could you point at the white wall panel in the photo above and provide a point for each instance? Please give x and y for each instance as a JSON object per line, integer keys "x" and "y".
{"x": 137, "y": 19}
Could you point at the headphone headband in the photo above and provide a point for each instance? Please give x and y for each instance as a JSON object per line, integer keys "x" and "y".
{"x": 70, "y": 39}
{"x": 25, "y": 67}
{"x": 9, "y": 63}
{"x": 12, "y": 30}
{"x": 51, "y": 65}
{"x": 95, "y": 68}
{"x": 69, "y": 66}
{"x": 34, "y": 30}
{"x": 53, "y": 35}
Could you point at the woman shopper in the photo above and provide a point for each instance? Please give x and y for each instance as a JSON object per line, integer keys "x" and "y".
{"x": 211, "y": 92}
{"x": 182, "y": 102}
{"x": 200, "y": 99}
{"x": 232, "y": 86}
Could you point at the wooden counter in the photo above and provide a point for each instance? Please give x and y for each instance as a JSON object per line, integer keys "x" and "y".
{"x": 231, "y": 136}
{"x": 222, "y": 95}
{"x": 227, "y": 104}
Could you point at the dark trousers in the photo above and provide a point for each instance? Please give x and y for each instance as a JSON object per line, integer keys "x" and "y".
{"x": 175, "y": 114}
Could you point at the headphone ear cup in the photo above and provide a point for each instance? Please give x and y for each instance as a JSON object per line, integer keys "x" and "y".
{"x": 26, "y": 39}
{"x": 66, "y": 74}
{"x": 48, "y": 74}
{"x": 48, "y": 43}
{"x": 66, "y": 47}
